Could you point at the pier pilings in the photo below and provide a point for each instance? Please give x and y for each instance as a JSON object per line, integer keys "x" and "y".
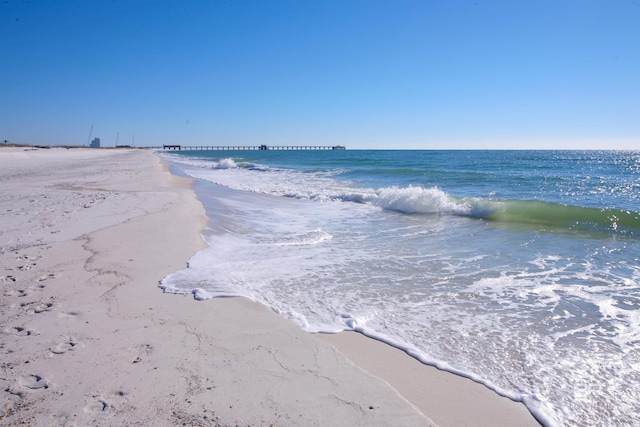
{"x": 250, "y": 147}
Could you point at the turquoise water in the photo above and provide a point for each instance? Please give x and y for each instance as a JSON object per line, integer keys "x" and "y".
{"x": 519, "y": 269}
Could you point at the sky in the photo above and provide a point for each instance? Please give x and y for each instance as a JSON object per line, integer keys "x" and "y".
{"x": 367, "y": 74}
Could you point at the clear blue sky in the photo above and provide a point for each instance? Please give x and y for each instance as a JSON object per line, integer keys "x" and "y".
{"x": 361, "y": 73}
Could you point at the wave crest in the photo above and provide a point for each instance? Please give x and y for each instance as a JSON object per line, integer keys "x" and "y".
{"x": 420, "y": 200}
{"x": 225, "y": 164}
{"x": 536, "y": 213}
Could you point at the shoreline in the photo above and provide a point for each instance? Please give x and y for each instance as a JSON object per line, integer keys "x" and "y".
{"x": 448, "y": 398}
{"x": 88, "y": 338}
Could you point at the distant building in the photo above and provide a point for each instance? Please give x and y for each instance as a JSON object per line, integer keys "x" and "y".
{"x": 95, "y": 143}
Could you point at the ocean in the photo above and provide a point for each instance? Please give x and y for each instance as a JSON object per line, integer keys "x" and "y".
{"x": 518, "y": 269}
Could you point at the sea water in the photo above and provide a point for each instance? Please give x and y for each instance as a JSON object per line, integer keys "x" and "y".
{"x": 518, "y": 269}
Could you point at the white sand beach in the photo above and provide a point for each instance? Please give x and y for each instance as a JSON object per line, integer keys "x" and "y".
{"x": 88, "y": 338}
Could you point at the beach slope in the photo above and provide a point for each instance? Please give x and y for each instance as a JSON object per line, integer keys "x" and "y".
{"x": 87, "y": 337}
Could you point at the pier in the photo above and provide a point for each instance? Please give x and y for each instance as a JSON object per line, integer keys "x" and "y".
{"x": 251, "y": 147}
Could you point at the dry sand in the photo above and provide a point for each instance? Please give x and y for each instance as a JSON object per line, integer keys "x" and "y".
{"x": 87, "y": 337}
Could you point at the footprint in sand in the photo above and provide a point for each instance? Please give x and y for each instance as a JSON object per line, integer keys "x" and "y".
{"x": 105, "y": 405}
{"x": 7, "y": 279}
{"x": 29, "y": 258}
{"x": 33, "y": 382}
{"x": 67, "y": 345}
{"x": 37, "y": 307}
{"x": 26, "y": 383}
{"x": 20, "y": 293}
{"x": 15, "y": 293}
{"x": 20, "y": 331}
{"x": 44, "y": 277}
{"x": 41, "y": 308}
{"x": 96, "y": 406}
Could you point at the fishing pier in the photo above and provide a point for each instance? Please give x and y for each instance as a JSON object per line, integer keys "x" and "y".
{"x": 251, "y": 147}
